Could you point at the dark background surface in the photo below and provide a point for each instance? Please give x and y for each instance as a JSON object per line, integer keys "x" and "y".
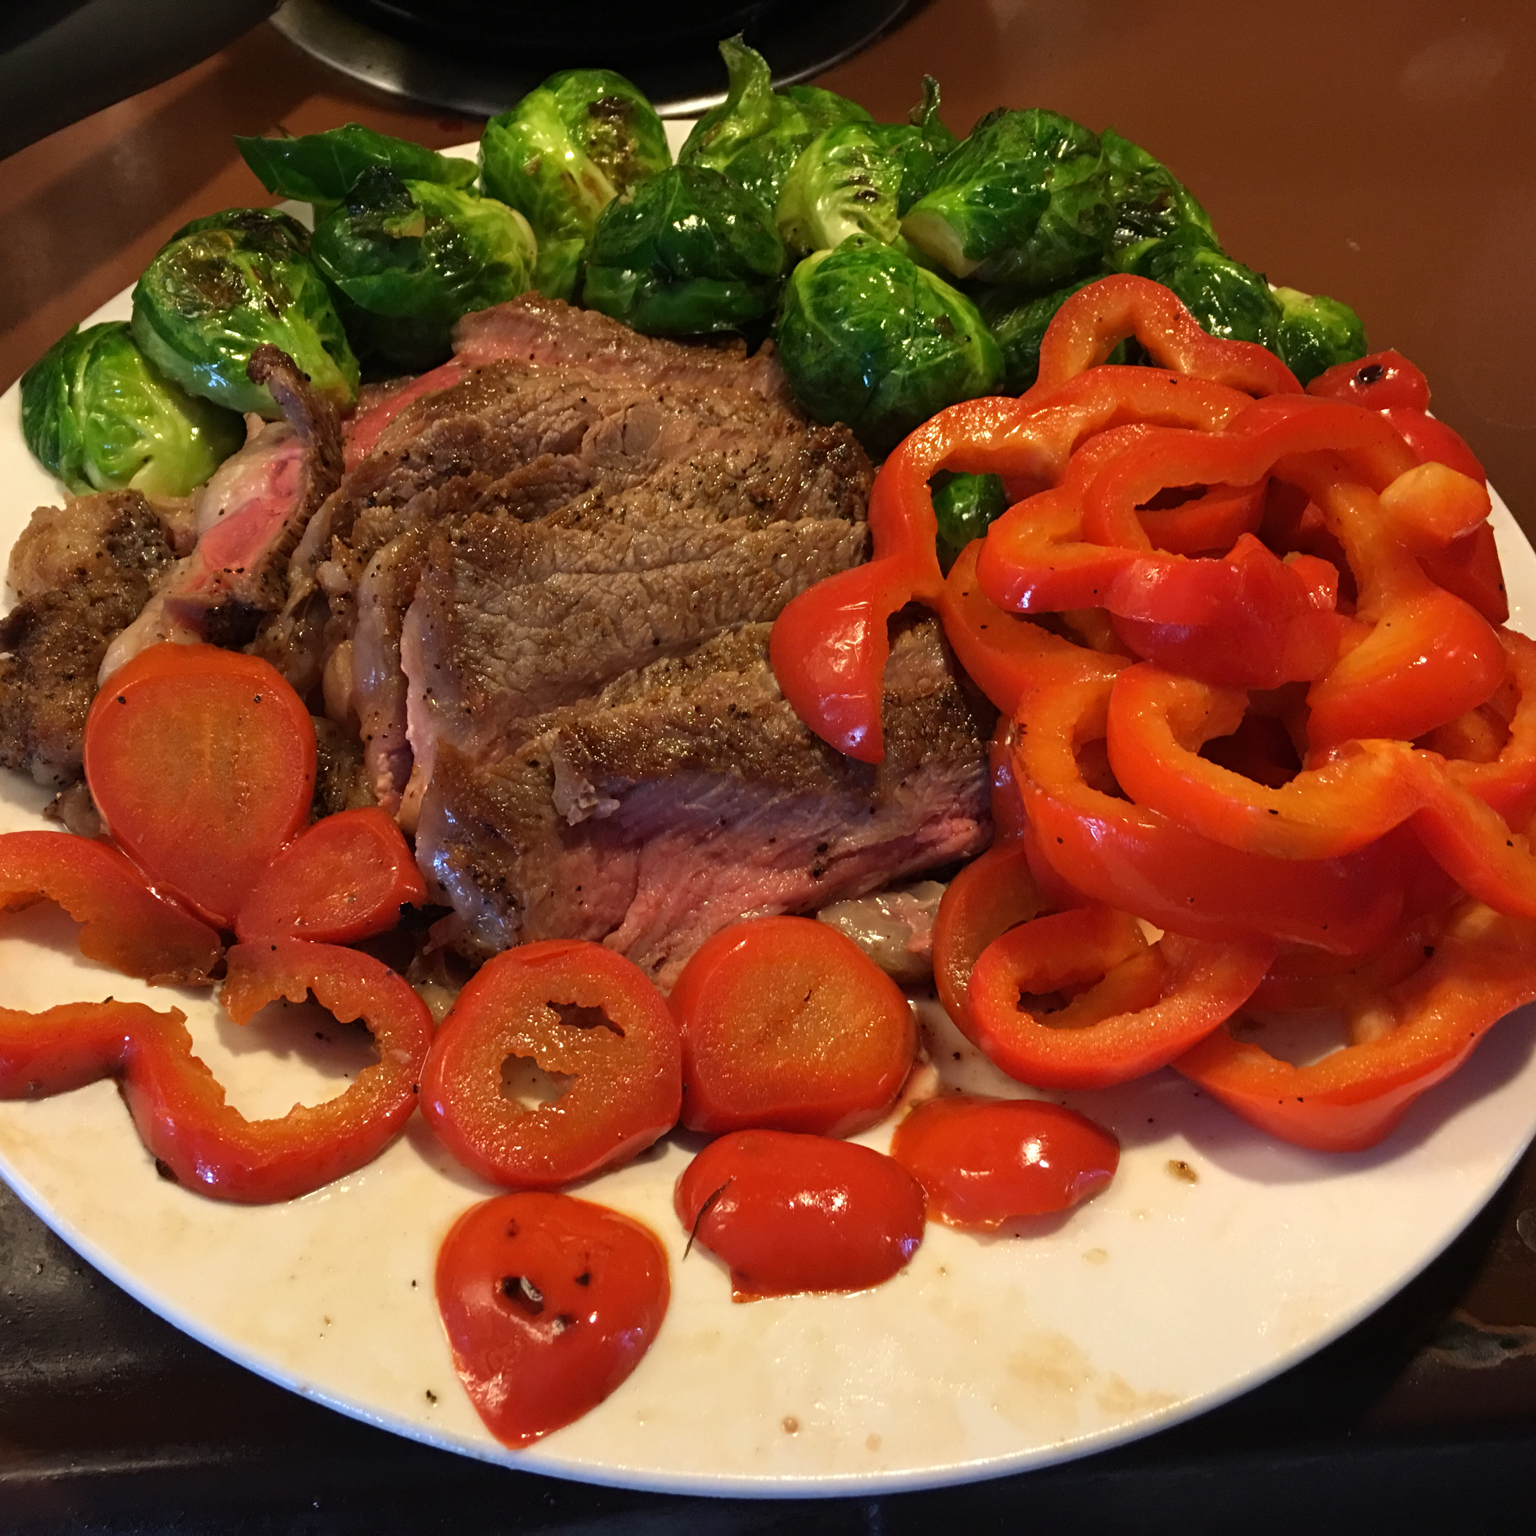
{"x": 1379, "y": 153}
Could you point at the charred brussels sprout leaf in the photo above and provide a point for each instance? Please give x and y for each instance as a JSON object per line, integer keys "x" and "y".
{"x": 1316, "y": 333}
{"x": 965, "y": 506}
{"x": 97, "y": 412}
{"x": 567, "y": 149}
{"x": 421, "y": 253}
{"x": 857, "y": 177}
{"x": 690, "y": 253}
{"x": 1024, "y": 200}
{"x": 222, "y": 287}
{"x": 320, "y": 168}
{"x": 870, "y": 338}
{"x": 757, "y": 133}
{"x": 1149, "y": 200}
{"x": 1227, "y": 298}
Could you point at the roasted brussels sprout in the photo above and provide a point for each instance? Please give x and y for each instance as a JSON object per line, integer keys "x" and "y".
{"x": 965, "y": 506}
{"x": 757, "y": 133}
{"x": 1019, "y": 323}
{"x": 320, "y": 168}
{"x": 557, "y": 268}
{"x": 97, "y": 412}
{"x": 1148, "y": 199}
{"x": 1316, "y": 332}
{"x": 565, "y": 151}
{"x": 1024, "y": 200}
{"x": 857, "y": 177}
{"x": 870, "y": 338}
{"x": 227, "y": 283}
{"x": 689, "y": 253}
{"x": 1227, "y": 298}
{"x": 422, "y": 253}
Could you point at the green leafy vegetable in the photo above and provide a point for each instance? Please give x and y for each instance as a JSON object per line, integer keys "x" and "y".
{"x": 98, "y": 414}
{"x": 1149, "y": 201}
{"x": 1025, "y": 200}
{"x": 690, "y": 253}
{"x": 567, "y": 149}
{"x": 966, "y": 506}
{"x": 320, "y": 168}
{"x": 224, "y": 285}
{"x": 870, "y": 338}
{"x": 757, "y": 133}
{"x": 418, "y": 252}
{"x": 1316, "y": 333}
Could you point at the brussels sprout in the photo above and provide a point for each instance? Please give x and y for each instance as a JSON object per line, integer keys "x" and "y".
{"x": 422, "y": 253}
{"x": 563, "y": 153}
{"x": 689, "y": 253}
{"x": 97, "y": 412}
{"x": 1019, "y": 323}
{"x": 320, "y": 168}
{"x": 1227, "y": 298}
{"x": 227, "y": 283}
{"x": 557, "y": 269}
{"x": 757, "y": 133}
{"x": 1149, "y": 200}
{"x": 856, "y": 177}
{"x": 1024, "y": 200}
{"x": 870, "y": 338}
{"x": 966, "y": 506}
{"x": 1316, "y": 332}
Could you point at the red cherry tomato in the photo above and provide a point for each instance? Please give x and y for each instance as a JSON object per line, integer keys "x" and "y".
{"x": 549, "y": 1303}
{"x": 342, "y": 879}
{"x": 793, "y": 1213}
{"x": 577, "y": 1010}
{"x": 789, "y": 1025}
{"x": 985, "y": 1161}
{"x": 202, "y": 763}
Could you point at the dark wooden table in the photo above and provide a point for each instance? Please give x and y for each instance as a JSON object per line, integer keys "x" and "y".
{"x": 1383, "y": 154}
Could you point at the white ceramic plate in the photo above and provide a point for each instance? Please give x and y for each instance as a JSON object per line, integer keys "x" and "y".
{"x": 1160, "y": 1299}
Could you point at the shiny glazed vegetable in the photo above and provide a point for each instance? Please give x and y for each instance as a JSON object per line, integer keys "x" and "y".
{"x": 789, "y": 1026}
{"x": 322, "y": 168}
{"x": 792, "y": 1213}
{"x": 223, "y": 286}
{"x": 870, "y": 338}
{"x": 410, "y": 258}
{"x": 984, "y": 1162}
{"x": 101, "y": 416}
{"x": 549, "y": 1303}
{"x": 688, "y": 254}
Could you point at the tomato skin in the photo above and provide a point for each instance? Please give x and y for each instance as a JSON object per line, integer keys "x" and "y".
{"x": 985, "y": 1161}
{"x": 788, "y": 1025}
{"x": 791, "y": 1213}
{"x": 629, "y": 1071}
{"x": 549, "y": 1303}
{"x": 202, "y": 763}
{"x": 342, "y": 879}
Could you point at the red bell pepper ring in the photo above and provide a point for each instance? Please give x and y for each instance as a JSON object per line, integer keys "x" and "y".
{"x": 1145, "y": 1004}
{"x": 126, "y": 925}
{"x": 179, "y": 1106}
{"x": 1140, "y": 860}
{"x": 1209, "y": 523}
{"x": 1434, "y": 442}
{"x": 1482, "y": 967}
{"x": 65, "y": 1048}
{"x": 344, "y": 878}
{"x": 1378, "y": 382}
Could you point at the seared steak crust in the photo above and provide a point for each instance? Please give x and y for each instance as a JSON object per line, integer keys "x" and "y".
{"x": 688, "y": 795}
{"x": 83, "y": 572}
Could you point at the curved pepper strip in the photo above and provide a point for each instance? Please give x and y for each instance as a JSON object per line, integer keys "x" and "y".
{"x": 1096, "y": 319}
{"x": 126, "y": 925}
{"x": 1152, "y": 1003}
{"x": 1482, "y": 967}
{"x": 1141, "y": 861}
{"x": 179, "y": 1106}
{"x": 67, "y": 1047}
{"x": 1211, "y": 522}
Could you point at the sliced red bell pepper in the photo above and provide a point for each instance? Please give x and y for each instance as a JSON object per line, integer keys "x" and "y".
{"x": 1378, "y": 382}
{"x": 1483, "y": 965}
{"x": 342, "y": 879}
{"x": 126, "y": 925}
{"x": 67, "y": 1047}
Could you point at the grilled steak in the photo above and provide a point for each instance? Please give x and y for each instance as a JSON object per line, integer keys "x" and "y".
{"x": 688, "y": 794}
{"x": 82, "y": 573}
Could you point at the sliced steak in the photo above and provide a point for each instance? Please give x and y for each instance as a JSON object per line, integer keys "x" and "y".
{"x": 688, "y": 795}
{"x": 83, "y": 572}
